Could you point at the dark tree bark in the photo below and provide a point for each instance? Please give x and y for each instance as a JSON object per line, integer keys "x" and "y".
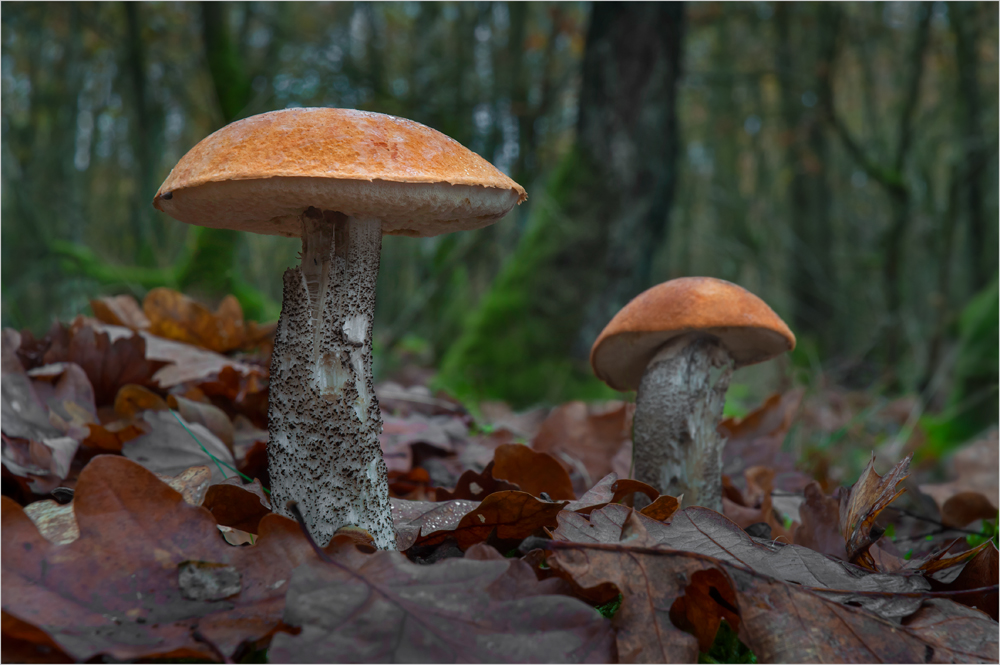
{"x": 963, "y": 21}
{"x": 595, "y": 228}
{"x": 891, "y": 177}
{"x": 812, "y": 264}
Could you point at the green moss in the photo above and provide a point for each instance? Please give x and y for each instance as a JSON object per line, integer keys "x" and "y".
{"x": 727, "y": 648}
{"x": 518, "y": 345}
{"x": 608, "y": 609}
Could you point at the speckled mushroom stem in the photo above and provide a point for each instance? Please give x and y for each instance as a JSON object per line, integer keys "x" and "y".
{"x": 677, "y": 448}
{"x": 323, "y": 416}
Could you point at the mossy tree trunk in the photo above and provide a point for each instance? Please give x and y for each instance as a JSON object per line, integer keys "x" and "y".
{"x": 209, "y": 271}
{"x": 595, "y": 228}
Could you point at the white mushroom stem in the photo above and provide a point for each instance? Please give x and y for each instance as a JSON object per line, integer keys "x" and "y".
{"x": 323, "y": 416}
{"x": 677, "y": 448}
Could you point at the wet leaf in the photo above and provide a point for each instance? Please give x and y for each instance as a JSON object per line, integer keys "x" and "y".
{"x": 411, "y": 518}
{"x": 115, "y": 590}
{"x": 862, "y": 504}
{"x": 474, "y": 486}
{"x": 532, "y": 471}
{"x": 381, "y": 608}
{"x": 514, "y": 516}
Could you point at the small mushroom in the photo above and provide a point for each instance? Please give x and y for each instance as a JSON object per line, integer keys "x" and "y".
{"x": 338, "y": 179}
{"x": 678, "y": 344}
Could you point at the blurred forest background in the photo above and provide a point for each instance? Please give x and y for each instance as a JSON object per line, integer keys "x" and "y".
{"x": 839, "y": 160}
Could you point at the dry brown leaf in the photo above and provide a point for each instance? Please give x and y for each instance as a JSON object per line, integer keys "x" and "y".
{"x": 175, "y": 316}
{"x": 820, "y": 528}
{"x": 120, "y": 310}
{"x": 383, "y": 608}
{"x": 860, "y": 505}
{"x": 474, "y": 486}
{"x": 532, "y": 471}
{"x": 173, "y": 445}
{"x": 981, "y": 571}
{"x": 755, "y": 440}
{"x": 975, "y": 471}
{"x": 236, "y": 505}
{"x": 115, "y": 591}
{"x": 592, "y": 434}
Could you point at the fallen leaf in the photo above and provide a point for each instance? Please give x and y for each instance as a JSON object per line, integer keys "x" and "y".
{"x": 610, "y": 489}
{"x": 981, "y": 571}
{"x": 975, "y": 470}
{"x": 132, "y": 398}
{"x": 175, "y": 316}
{"x": 115, "y": 590}
{"x": 755, "y": 504}
{"x": 514, "y": 516}
{"x": 703, "y": 531}
{"x": 820, "y": 527}
{"x": 381, "y": 607}
{"x": 785, "y": 623}
{"x": 122, "y": 310}
{"x": 860, "y": 505}
{"x": 591, "y": 434}
{"x": 109, "y": 364}
{"x": 532, "y": 471}
{"x": 756, "y": 439}
{"x": 474, "y": 486}
{"x": 236, "y": 505}
{"x": 55, "y": 521}
{"x": 410, "y": 518}
{"x": 779, "y": 622}
{"x": 172, "y": 445}
{"x": 212, "y": 417}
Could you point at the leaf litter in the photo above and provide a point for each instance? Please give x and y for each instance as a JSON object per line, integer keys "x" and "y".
{"x": 509, "y": 564}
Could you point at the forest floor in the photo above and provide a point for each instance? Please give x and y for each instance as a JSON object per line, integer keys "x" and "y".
{"x": 137, "y": 524}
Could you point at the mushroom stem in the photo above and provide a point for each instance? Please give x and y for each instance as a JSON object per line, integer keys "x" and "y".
{"x": 323, "y": 416}
{"x": 678, "y": 449}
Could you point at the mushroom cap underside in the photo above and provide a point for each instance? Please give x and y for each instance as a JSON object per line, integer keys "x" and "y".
{"x": 746, "y": 326}
{"x": 260, "y": 174}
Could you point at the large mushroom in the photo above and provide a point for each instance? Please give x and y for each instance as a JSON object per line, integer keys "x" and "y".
{"x": 338, "y": 179}
{"x": 678, "y": 344}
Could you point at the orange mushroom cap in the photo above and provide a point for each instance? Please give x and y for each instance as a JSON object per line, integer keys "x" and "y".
{"x": 259, "y": 174}
{"x": 746, "y": 326}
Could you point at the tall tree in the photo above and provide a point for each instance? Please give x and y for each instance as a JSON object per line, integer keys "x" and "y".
{"x": 890, "y": 176}
{"x": 594, "y": 229}
{"x": 811, "y": 277}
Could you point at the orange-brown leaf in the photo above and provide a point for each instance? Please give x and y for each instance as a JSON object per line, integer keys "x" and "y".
{"x": 862, "y": 504}
{"x": 532, "y": 471}
{"x": 176, "y": 316}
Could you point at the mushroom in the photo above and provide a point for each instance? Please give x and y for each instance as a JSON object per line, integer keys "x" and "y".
{"x": 339, "y": 179}
{"x": 678, "y": 344}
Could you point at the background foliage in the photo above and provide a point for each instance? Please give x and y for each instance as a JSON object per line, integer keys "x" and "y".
{"x": 838, "y": 160}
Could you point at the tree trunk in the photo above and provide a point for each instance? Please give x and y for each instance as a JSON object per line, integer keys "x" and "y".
{"x": 210, "y": 269}
{"x": 809, "y": 200}
{"x": 594, "y": 229}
